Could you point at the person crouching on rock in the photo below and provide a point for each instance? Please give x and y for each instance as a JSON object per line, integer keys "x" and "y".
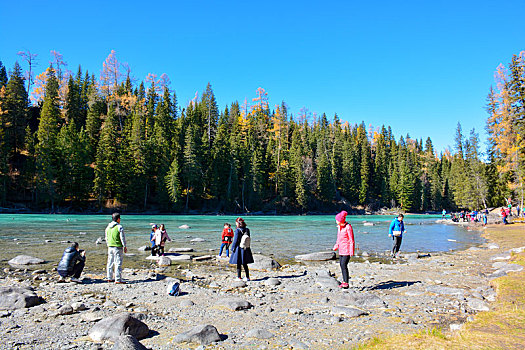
{"x": 72, "y": 263}
{"x": 345, "y": 244}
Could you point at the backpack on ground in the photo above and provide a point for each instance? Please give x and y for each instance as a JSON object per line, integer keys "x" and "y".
{"x": 245, "y": 240}
{"x": 175, "y": 289}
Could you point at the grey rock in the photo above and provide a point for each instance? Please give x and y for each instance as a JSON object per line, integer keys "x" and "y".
{"x": 4, "y": 313}
{"x": 272, "y": 282}
{"x": 179, "y": 257}
{"x": 517, "y": 250}
{"x": 474, "y": 249}
{"x": 365, "y": 254}
{"x": 198, "y": 239}
{"x": 318, "y": 256}
{"x": 164, "y": 261}
{"x": 511, "y": 268}
{"x": 110, "y": 328}
{"x": 90, "y": 317}
{"x": 12, "y": 298}
{"x": 38, "y": 272}
{"x": 347, "y": 311}
{"x": 499, "y": 264}
{"x": 295, "y": 311}
{"x": 128, "y": 342}
{"x": 497, "y": 274}
{"x": 259, "y": 333}
{"x": 322, "y": 273}
{"x": 327, "y": 282}
{"x": 202, "y": 334}
{"x": 65, "y": 310}
{"x": 442, "y": 290}
{"x": 502, "y": 256}
{"x": 99, "y": 240}
{"x": 262, "y": 262}
{"x": 238, "y": 284}
{"x": 24, "y": 260}
{"x": 477, "y": 304}
{"x": 235, "y": 304}
{"x": 363, "y": 300}
{"x": 186, "y": 303}
{"x": 184, "y": 227}
{"x": 78, "y": 306}
{"x": 296, "y": 344}
{"x": 493, "y": 246}
{"x": 202, "y": 258}
{"x": 110, "y": 303}
{"x": 181, "y": 250}
{"x": 144, "y": 248}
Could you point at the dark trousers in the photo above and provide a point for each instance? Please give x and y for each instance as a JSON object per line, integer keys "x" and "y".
{"x": 245, "y": 270}
{"x": 157, "y": 250}
{"x": 76, "y": 272}
{"x": 396, "y": 245}
{"x": 343, "y": 261}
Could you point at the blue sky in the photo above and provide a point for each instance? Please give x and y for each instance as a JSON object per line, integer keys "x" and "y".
{"x": 418, "y": 66}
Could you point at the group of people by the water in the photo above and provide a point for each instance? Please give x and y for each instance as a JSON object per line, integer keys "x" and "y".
{"x": 73, "y": 260}
{"x": 158, "y": 238}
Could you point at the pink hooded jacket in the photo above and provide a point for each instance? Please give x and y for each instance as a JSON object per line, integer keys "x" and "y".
{"x": 345, "y": 240}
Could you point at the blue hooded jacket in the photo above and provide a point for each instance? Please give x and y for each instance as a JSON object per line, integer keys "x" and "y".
{"x": 397, "y": 225}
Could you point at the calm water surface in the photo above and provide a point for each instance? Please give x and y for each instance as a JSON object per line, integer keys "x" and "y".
{"x": 281, "y": 236}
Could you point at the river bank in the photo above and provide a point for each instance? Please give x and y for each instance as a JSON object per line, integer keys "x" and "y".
{"x": 297, "y": 306}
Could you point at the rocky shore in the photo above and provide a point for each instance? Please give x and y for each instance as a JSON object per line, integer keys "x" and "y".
{"x": 297, "y": 306}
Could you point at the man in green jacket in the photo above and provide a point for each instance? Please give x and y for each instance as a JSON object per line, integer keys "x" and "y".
{"x": 116, "y": 241}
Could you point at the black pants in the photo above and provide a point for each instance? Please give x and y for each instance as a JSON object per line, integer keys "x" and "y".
{"x": 245, "y": 270}
{"x": 396, "y": 245}
{"x": 76, "y": 272}
{"x": 157, "y": 250}
{"x": 343, "y": 261}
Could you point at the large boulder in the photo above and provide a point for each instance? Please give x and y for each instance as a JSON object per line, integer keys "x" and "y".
{"x": 202, "y": 334}
{"x": 12, "y": 298}
{"x": 110, "y": 328}
{"x": 24, "y": 260}
{"x": 318, "y": 256}
{"x": 262, "y": 262}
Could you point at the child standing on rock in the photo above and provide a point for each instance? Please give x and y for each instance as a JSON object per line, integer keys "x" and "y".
{"x": 161, "y": 236}
{"x": 345, "y": 244}
{"x": 226, "y": 239}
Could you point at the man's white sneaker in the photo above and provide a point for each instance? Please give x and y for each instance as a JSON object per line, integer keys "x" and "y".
{"x": 245, "y": 279}
{"x": 237, "y": 279}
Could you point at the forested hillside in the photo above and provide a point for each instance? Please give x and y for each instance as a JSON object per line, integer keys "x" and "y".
{"x": 86, "y": 141}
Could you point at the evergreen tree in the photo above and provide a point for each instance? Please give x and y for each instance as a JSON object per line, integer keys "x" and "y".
{"x": 15, "y": 106}
{"x": 47, "y": 152}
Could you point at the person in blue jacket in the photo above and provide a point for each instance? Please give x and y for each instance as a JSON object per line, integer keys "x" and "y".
{"x": 397, "y": 228}
{"x": 241, "y": 256}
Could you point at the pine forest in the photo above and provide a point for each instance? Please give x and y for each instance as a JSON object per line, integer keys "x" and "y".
{"x": 89, "y": 142}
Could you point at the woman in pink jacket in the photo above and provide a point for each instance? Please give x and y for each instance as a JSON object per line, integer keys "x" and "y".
{"x": 345, "y": 244}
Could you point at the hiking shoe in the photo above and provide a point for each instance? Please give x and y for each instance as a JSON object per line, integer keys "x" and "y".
{"x": 61, "y": 279}
{"x": 343, "y": 285}
{"x": 75, "y": 280}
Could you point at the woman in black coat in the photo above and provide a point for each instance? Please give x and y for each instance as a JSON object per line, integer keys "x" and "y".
{"x": 241, "y": 256}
